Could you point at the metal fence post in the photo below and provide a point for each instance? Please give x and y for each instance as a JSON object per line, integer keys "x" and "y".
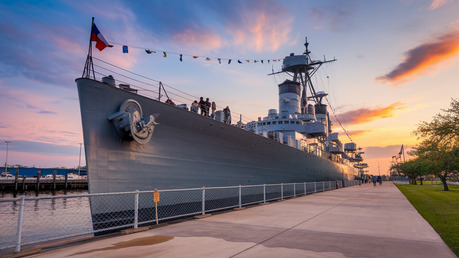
{"x": 136, "y": 209}
{"x": 264, "y": 193}
{"x": 282, "y": 191}
{"x": 294, "y": 189}
{"x": 203, "y": 200}
{"x": 19, "y": 229}
{"x": 315, "y": 187}
{"x": 305, "y": 192}
{"x": 323, "y": 186}
{"x": 240, "y": 196}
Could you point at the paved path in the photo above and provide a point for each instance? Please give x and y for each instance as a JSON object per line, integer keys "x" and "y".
{"x": 358, "y": 221}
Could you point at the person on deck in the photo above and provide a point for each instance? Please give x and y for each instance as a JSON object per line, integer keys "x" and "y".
{"x": 194, "y": 106}
{"x": 214, "y": 107}
{"x": 170, "y": 102}
{"x": 227, "y": 113}
{"x": 202, "y": 106}
{"x": 207, "y": 102}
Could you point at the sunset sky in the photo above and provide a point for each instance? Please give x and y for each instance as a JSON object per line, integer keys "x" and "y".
{"x": 397, "y": 63}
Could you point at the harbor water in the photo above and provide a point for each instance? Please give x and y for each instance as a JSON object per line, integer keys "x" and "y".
{"x": 44, "y": 218}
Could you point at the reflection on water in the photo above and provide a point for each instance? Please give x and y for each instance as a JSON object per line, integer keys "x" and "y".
{"x": 44, "y": 218}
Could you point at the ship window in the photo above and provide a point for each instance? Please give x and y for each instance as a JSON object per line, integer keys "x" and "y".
{"x": 269, "y": 123}
{"x": 274, "y": 122}
{"x": 292, "y": 122}
{"x": 281, "y": 122}
{"x": 297, "y": 122}
{"x": 260, "y": 123}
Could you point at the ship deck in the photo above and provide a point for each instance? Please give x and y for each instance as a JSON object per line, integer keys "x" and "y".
{"x": 358, "y": 221}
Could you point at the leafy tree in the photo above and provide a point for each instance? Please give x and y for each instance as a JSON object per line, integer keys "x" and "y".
{"x": 440, "y": 143}
{"x": 414, "y": 168}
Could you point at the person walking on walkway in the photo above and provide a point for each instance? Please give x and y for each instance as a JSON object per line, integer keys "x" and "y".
{"x": 374, "y": 179}
{"x": 379, "y": 180}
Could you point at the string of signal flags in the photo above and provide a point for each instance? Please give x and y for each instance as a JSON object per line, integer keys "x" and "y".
{"x": 181, "y": 56}
{"x": 102, "y": 43}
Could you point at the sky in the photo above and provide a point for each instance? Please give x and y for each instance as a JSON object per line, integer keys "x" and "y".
{"x": 397, "y": 64}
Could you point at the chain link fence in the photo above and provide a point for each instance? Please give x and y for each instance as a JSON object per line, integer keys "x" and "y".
{"x": 32, "y": 220}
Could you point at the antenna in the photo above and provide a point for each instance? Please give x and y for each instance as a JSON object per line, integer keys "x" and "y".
{"x": 306, "y": 44}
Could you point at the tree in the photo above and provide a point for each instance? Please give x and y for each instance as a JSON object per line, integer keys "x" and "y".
{"x": 440, "y": 143}
{"x": 414, "y": 168}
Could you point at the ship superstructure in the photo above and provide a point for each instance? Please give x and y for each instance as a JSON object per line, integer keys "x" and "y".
{"x": 303, "y": 121}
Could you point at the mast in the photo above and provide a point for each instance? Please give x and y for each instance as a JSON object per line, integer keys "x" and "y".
{"x": 304, "y": 94}
{"x": 303, "y": 68}
{"x": 89, "y": 66}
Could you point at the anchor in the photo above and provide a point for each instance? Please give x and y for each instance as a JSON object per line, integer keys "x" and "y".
{"x": 131, "y": 125}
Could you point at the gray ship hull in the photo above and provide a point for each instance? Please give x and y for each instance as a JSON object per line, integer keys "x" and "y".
{"x": 186, "y": 150}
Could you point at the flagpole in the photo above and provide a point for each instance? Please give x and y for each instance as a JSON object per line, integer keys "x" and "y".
{"x": 403, "y": 155}
{"x": 89, "y": 66}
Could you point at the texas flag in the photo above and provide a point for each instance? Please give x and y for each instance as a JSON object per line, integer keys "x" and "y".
{"x": 99, "y": 38}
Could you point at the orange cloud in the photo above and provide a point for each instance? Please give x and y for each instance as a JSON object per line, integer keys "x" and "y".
{"x": 438, "y": 3}
{"x": 422, "y": 57}
{"x": 206, "y": 39}
{"x": 356, "y": 133}
{"x": 263, "y": 29}
{"x": 365, "y": 115}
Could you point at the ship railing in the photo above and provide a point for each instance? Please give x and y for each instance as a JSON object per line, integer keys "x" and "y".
{"x": 27, "y": 221}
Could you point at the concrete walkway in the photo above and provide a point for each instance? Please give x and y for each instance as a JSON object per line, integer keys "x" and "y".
{"x": 358, "y": 221}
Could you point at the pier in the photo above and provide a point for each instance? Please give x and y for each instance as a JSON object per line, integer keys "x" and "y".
{"x": 38, "y": 184}
{"x": 358, "y": 221}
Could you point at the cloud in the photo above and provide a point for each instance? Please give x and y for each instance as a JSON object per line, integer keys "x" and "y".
{"x": 43, "y": 148}
{"x": 374, "y": 152}
{"x": 52, "y": 50}
{"x": 365, "y": 115}
{"x": 260, "y": 26}
{"x": 39, "y": 52}
{"x": 198, "y": 37}
{"x": 423, "y": 58}
{"x": 331, "y": 16}
{"x": 212, "y": 25}
{"x": 439, "y": 3}
{"x": 46, "y": 112}
{"x": 23, "y": 99}
{"x": 356, "y": 133}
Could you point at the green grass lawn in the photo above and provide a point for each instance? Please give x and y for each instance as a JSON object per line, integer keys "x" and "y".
{"x": 440, "y": 208}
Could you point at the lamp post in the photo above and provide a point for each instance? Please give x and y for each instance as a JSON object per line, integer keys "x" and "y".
{"x": 6, "y": 160}
{"x": 79, "y": 161}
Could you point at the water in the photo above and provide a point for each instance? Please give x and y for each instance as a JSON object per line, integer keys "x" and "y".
{"x": 44, "y": 219}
